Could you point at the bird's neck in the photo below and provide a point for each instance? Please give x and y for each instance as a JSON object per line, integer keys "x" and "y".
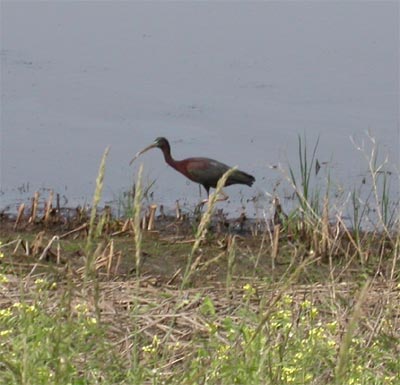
{"x": 178, "y": 165}
{"x": 168, "y": 157}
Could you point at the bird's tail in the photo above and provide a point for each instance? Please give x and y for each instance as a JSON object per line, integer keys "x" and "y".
{"x": 240, "y": 177}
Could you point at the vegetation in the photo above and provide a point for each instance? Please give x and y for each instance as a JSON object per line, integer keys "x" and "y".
{"x": 308, "y": 298}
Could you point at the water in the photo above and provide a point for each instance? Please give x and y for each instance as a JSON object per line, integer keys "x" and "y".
{"x": 233, "y": 81}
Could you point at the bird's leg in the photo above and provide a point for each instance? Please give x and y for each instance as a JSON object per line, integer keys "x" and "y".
{"x": 223, "y": 198}
{"x": 204, "y": 201}
{"x": 199, "y": 207}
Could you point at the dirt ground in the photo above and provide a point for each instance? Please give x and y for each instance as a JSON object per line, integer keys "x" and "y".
{"x": 239, "y": 249}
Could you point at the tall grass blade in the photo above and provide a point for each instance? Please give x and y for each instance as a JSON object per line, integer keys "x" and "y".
{"x": 343, "y": 357}
{"x": 203, "y": 227}
{"x": 302, "y": 184}
{"x": 89, "y": 268}
{"x": 137, "y": 206}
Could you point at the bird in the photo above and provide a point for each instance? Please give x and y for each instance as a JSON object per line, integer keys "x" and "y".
{"x": 204, "y": 171}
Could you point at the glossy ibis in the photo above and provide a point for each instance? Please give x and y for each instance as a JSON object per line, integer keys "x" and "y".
{"x": 204, "y": 171}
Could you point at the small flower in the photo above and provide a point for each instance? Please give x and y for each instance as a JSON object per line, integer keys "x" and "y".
{"x": 39, "y": 281}
{"x": 91, "y": 320}
{"x": 298, "y": 356}
{"x": 3, "y": 278}
{"x": 212, "y": 327}
{"x": 30, "y": 308}
{"x": 331, "y": 343}
{"x": 148, "y": 349}
{"x": 313, "y": 312}
{"x": 389, "y": 379}
{"x": 222, "y": 352}
{"x": 332, "y": 326}
{"x": 5, "y": 313}
{"x": 249, "y": 291}
{"x": 152, "y": 348}
{"x": 289, "y": 374}
{"x": 287, "y": 299}
{"x": 308, "y": 377}
{"x": 5, "y": 333}
{"x": 316, "y": 332}
{"x": 81, "y": 308}
{"x": 306, "y": 304}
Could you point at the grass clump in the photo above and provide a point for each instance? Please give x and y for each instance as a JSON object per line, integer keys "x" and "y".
{"x": 59, "y": 345}
{"x": 307, "y": 197}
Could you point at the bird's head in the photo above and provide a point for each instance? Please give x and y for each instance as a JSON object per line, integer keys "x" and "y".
{"x": 161, "y": 143}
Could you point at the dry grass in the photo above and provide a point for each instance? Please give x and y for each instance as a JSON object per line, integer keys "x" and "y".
{"x": 141, "y": 311}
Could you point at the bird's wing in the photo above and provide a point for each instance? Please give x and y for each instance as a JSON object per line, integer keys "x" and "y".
{"x": 206, "y": 171}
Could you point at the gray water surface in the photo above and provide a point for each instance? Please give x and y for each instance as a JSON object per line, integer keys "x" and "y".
{"x": 233, "y": 81}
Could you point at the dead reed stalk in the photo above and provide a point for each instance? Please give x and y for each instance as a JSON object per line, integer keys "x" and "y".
{"x": 35, "y": 203}
{"x": 49, "y": 206}
{"x": 275, "y": 245}
{"x": 152, "y": 215}
{"x": 20, "y": 214}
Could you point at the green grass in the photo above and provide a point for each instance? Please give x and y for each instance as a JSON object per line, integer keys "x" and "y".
{"x": 305, "y": 337}
{"x": 307, "y": 197}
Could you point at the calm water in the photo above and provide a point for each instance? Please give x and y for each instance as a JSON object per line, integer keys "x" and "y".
{"x": 232, "y": 81}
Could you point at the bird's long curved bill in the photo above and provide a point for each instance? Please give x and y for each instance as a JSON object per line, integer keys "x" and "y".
{"x": 142, "y": 152}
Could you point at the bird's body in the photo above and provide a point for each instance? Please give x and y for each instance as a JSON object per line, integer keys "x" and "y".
{"x": 204, "y": 171}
